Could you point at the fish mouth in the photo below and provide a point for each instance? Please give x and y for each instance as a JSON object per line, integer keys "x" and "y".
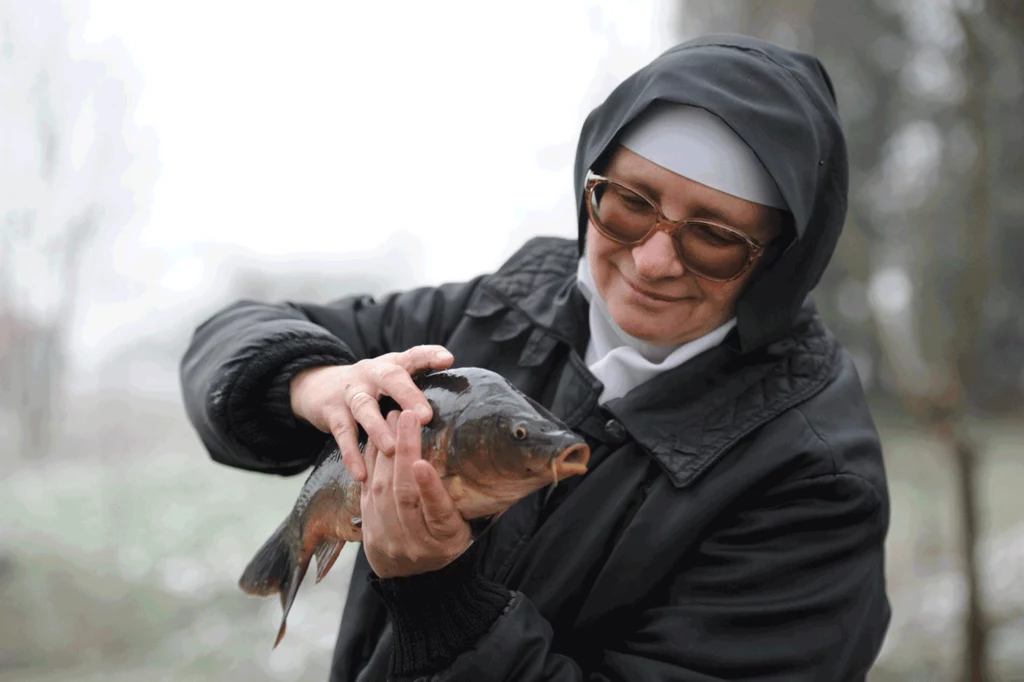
{"x": 572, "y": 461}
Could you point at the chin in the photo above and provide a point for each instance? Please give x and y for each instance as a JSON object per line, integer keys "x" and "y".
{"x": 647, "y": 326}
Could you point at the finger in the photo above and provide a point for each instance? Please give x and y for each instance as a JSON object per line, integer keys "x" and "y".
{"x": 407, "y": 493}
{"x": 383, "y": 501}
{"x": 346, "y": 435}
{"x": 370, "y": 524}
{"x": 440, "y": 515}
{"x": 369, "y": 459}
{"x": 392, "y": 423}
{"x": 393, "y": 380}
{"x": 366, "y": 411}
{"x": 421, "y": 358}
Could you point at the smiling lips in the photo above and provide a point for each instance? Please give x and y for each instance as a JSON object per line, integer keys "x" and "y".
{"x": 652, "y": 295}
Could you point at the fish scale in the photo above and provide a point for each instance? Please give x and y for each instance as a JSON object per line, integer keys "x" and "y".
{"x": 491, "y": 444}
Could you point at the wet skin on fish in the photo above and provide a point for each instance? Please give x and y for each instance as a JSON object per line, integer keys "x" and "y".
{"x": 491, "y": 444}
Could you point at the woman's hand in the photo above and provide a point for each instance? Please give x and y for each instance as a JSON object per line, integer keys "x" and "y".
{"x": 410, "y": 523}
{"x": 337, "y": 399}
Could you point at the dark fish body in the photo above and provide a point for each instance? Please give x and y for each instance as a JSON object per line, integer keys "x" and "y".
{"x": 491, "y": 444}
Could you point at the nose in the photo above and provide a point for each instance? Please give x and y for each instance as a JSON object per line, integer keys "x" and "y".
{"x": 657, "y": 259}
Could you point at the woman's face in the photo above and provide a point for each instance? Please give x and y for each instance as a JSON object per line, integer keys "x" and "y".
{"x": 650, "y": 293}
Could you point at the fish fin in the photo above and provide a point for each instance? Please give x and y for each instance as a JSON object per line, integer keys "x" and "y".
{"x": 288, "y": 591}
{"x": 269, "y": 567}
{"x": 326, "y": 554}
{"x": 456, "y": 490}
{"x": 280, "y": 632}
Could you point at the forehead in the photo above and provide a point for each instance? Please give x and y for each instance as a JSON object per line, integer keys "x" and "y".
{"x": 680, "y": 197}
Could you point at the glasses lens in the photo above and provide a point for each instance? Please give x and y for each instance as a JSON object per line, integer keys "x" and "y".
{"x": 712, "y": 251}
{"x": 622, "y": 213}
{"x": 709, "y": 250}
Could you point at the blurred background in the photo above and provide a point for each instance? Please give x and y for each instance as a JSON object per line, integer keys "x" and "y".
{"x": 162, "y": 159}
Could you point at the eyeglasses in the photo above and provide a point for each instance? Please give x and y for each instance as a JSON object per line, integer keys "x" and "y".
{"x": 625, "y": 216}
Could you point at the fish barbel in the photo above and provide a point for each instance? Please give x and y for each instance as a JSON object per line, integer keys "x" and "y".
{"x": 491, "y": 444}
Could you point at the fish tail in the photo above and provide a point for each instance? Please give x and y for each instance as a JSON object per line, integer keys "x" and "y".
{"x": 269, "y": 568}
{"x": 289, "y": 588}
{"x": 274, "y": 570}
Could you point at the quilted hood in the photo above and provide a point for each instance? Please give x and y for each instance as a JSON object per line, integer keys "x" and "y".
{"x": 782, "y": 104}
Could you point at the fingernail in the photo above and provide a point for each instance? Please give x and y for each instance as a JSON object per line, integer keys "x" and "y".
{"x": 425, "y": 412}
{"x": 443, "y": 356}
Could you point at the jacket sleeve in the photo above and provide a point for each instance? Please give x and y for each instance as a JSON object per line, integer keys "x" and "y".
{"x": 236, "y": 373}
{"x": 791, "y": 591}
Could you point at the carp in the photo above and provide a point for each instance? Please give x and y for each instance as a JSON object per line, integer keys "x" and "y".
{"x": 491, "y": 444}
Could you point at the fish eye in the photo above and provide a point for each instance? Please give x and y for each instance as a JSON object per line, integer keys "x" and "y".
{"x": 519, "y": 432}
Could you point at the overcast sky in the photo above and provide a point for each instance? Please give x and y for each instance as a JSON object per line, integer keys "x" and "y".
{"x": 329, "y": 129}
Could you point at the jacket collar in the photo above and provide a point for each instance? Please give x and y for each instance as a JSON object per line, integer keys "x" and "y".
{"x": 687, "y": 417}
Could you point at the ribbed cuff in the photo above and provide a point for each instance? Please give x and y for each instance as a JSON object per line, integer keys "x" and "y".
{"x": 259, "y": 411}
{"x": 439, "y": 615}
{"x": 278, "y": 404}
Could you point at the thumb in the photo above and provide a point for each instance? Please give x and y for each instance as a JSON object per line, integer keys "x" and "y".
{"x": 440, "y": 514}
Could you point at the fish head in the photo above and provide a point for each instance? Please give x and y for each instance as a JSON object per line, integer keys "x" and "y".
{"x": 503, "y": 446}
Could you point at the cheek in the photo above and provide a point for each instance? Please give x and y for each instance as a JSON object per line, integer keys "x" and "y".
{"x": 719, "y": 293}
{"x": 602, "y": 253}
{"x": 728, "y": 292}
{"x": 719, "y": 300}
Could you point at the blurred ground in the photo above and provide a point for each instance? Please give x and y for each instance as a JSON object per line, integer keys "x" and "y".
{"x": 124, "y": 568}
{"x": 127, "y": 570}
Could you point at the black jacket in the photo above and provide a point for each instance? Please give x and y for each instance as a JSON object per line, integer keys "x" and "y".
{"x": 732, "y": 524}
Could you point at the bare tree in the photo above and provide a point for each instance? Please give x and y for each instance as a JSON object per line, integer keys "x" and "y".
{"x": 934, "y": 375}
{"x": 71, "y": 152}
{"x": 920, "y": 238}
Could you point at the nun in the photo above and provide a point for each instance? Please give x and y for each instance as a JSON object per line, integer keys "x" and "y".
{"x": 733, "y": 519}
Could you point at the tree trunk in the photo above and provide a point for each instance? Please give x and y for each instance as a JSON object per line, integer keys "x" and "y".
{"x": 976, "y": 626}
{"x": 973, "y": 293}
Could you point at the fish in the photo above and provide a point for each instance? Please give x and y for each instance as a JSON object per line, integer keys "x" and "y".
{"x": 491, "y": 444}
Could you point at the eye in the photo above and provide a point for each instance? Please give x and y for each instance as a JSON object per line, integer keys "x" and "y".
{"x": 633, "y": 201}
{"x": 714, "y": 235}
{"x": 519, "y": 432}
